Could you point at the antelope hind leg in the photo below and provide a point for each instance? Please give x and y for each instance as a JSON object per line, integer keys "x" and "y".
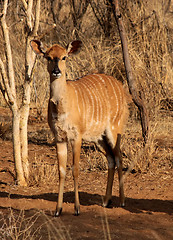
{"x": 76, "y": 145}
{"x": 110, "y": 178}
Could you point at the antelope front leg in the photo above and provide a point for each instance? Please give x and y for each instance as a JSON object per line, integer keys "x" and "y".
{"x": 62, "y": 161}
{"x": 76, "y": 157}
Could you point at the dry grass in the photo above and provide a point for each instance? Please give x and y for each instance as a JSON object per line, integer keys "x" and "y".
{"x": 19, "y": 225}
{"x": 95, "y": 160}
{"x": 149, "y": 39}
{"x": 155, "y": 157}
{"x": 42, "y": 174}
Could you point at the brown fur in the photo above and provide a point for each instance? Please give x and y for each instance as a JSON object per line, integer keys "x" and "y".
{"x": 93, "y": 108}
{"x": 55, "y": 51}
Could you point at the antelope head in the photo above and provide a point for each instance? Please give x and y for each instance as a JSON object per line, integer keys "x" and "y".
{"x": 56, "y": 56}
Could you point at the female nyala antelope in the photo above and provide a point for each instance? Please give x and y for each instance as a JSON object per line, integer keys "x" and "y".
{"x": 92, "y": 108}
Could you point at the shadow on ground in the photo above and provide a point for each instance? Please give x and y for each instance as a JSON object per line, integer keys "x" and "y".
{"x": 86, "y": 199}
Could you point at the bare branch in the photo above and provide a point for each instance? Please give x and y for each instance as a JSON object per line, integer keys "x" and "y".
{"x": 5, "y": 8}
{"x": 30, "y": 56}
{"x": 103, "y": 16}
{"x": 4, "y": 93}
{"x": 168, "y": 6}
{"x": 29, "y": 14}
{"x": 78, "y": 10}
{"x": 7, "y": 94}
{"x": 25, "y": 4}
{"x": 37, "y": 18}
{"x": 8, "y": 51}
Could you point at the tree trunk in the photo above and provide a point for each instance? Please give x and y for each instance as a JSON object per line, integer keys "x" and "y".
{"x": 30, "y": 59}
{"x": 130, "y": 79}
{"x": 17, "y": 148}
{"x": 8, "y": 89}
{"x": 9, "y": 86}
{"x": 24, "y": 139}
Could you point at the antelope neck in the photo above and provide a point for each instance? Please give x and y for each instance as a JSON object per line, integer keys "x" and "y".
{"x": 58, "y": 88}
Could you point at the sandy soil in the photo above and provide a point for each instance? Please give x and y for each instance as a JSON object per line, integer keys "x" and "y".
{"x": 148, "y": 213}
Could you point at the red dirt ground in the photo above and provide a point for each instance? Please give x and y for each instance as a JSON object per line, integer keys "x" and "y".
{"x": 148, "y": 213}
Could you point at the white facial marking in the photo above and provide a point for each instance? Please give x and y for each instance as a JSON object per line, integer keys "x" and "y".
{"x": 57, "y": 75}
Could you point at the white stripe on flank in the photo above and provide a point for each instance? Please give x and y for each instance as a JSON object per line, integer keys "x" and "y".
{"x": 119, "y": 90}
{"x": 104, "y": 98}
{"x": 83, "y": 110}
{"x": 76, "y": 93}
{"x": 120, "y": 97}
{"x": 107, "y": 97}
{"x": 88, "y": 106}
{"x": 94, "y": 96}
{"x": 117, "y": 109}
{"x": 98, "y": 97}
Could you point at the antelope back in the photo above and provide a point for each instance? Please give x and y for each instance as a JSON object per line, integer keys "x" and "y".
{"x": 101, "y": 104}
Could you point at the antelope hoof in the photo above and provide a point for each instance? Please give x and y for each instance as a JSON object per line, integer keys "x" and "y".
{"x": 122, "y": 204}
{"x": 107, "y": 203}
{"x": 58, "y": 212}
{"x": 77, "y": 211}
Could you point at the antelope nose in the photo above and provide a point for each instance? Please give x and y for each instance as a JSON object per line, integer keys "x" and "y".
{"x": 56, "y": 72}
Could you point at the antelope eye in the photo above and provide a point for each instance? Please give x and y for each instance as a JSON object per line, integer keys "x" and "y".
{"x": 48, "y": 58}
{"x": 64, "y": 58}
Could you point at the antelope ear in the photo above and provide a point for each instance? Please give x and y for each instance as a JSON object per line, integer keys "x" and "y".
{"x": 37, "y": 47}
{"x": 73, "y": 46}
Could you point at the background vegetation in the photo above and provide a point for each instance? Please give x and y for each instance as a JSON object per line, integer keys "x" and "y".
{"x": 149, "y": 27}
